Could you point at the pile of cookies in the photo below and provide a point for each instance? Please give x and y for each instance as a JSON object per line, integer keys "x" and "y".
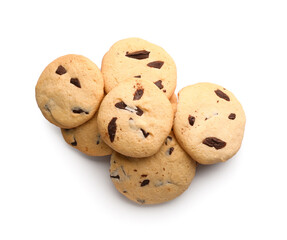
{"x": 128, "y": 110}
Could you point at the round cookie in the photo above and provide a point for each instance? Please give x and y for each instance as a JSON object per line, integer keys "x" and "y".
{"x": 69, "y": 91}
{"x": 209, "y": 123}
{"x": 87, "y": 139}
{"x": 173, "y": 101}
{"x": 135, "y": 118}
{"x": 137, "y": 58}
{"x": 155, "y": 179}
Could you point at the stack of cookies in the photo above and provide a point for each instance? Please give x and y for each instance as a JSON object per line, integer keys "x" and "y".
{"x": 129, "y": 110}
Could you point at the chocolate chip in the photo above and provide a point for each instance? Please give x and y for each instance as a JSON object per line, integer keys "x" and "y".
{"x": 112, "y": 128}
{"x": 214, "y": 142}
{"x": 144, "y": 182}
{"x": 139, "y": 112}
{"x": 156, "y": 64}
{"x": 124, "y": 191}
{"x": 120, "y": 105}
{"x": 158, "y": 84}
{"x": 141, "y": 201}
{"x": 144, "y": 175}
{"x": 142, "y": 54}
{"x": 145, "y": 133}
{"x": 191, "y": 120}
{"x": 79, "y": 110}
{"x": 138, "y": 76}
{"x": 98, "y": 139}
{"x": 221, "y": 94}
{"x": 76, "y": 82}
{"x": 164, "y": 91}
{"x": 74, "y": 143}
{"x": 138, "y": 94}
{"x": 232, "y": 116}
{"x": 169, "y": 138}
{"x": 170, "y": 150}
{"x": 61, "y": 70}
{"x": 117, "y": 176}
{"x": 46, "y": 107}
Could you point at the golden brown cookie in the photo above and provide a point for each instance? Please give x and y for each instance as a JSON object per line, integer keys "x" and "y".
{"x": 139, "y": 59}
{"x": 209, "y": 123}
{"x": 155, "y": 179}
{"x": 69, "y": 91}
{"x": 135, "y": 118}
{"x": 87, "y": 139}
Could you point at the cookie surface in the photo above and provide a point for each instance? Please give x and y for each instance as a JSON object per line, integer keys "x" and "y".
{"x": 209, "y": 123}
{"x": 137, "y": 58}
{"x": 87, "y": 139}
{"x": 135, "y": 118}
{"x": 69, "y": 91}
{"x": 155, "y": 179}
{"x": 173, "y": 101}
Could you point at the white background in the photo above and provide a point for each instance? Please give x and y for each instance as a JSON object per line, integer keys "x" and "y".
{"x": 48, "y": 190}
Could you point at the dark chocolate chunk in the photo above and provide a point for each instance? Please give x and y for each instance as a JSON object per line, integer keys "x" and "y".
{"x": 144, "y": 182}
{"x": 138, "y": 94}
{"x": 159, "y": 84}
{"x": 120, "y": 105}
{"x": 156, "y": 64}
{"x": 79, "y": 110}
{"x": 76, "y": 82}
{"x": 139, "y": 112}
{"x": 46, "y": 107}
{"x": 144, "y": 175}
{"x": 221, "y": 94}
{"x": 117, "y": 176}
{"x": 138, "y": 76}
{"x": 169, "y": 138}
{"x": 232, "y": 116}
{"x": 141, "y": 201}
{"x": 145, "y": 133}
{"x": 170, "y": 150}
{"x": 191, "y": 120}
{"x": 61, "y": 70}
{"x": 74, "y": 143}
{"x": 214, "y": 142}
{"x": 112, "y": 128}
{"x": 142, "y": 54}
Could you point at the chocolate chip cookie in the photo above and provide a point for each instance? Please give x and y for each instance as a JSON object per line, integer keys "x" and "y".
{"x": 87, "y": 139}
{"x": 209, "y": 123}
{"x": 69, "y": 91}
{"x": 135, "y": 118}
{"x": 155, "y": 179}
{"x": 139, "y": 59}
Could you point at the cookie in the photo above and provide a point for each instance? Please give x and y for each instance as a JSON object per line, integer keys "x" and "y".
{"x": 69, "y": 91}
{"x": 173, "y": 101}
{"x": 155, "y": 179}
{"x": 135, "y": 118}
{"x": 209, "y": 123}
{"x": 87, "y": 139}
{"x": 139, "y": 59}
